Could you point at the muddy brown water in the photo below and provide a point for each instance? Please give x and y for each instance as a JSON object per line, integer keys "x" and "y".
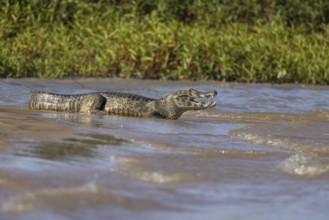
{"x": 261, "y": 153}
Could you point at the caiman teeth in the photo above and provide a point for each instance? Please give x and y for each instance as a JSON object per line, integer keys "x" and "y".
{"x": 210, "y": 103}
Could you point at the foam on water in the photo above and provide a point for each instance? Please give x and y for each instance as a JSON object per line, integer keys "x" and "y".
{"x": 305, "y": 164}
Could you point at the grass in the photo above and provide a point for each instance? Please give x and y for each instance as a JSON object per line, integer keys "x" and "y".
{"x": 258, "y": 41}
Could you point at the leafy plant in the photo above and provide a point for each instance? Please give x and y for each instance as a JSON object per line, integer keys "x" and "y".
{"x": 256, "y": 41}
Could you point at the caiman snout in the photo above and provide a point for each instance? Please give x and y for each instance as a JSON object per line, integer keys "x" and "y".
{"x": 186, "y": 99}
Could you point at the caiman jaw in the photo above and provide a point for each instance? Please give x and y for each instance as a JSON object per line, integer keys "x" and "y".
{"x": 206, "y": 95}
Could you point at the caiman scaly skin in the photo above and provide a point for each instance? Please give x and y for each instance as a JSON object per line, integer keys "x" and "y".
{"x": 124, "y": 104}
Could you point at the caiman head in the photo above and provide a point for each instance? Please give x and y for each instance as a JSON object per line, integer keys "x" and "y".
{"x": 179, "y": 102}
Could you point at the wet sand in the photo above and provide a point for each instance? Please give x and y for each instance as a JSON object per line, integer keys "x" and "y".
{"x": 21, "y": 123}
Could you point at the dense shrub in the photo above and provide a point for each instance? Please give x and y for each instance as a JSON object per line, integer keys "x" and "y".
{"x": 231, "y": 40}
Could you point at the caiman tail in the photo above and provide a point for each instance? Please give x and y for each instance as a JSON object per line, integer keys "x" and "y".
{"x": 68, "y": 103}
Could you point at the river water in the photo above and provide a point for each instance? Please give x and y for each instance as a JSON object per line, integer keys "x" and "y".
{"x": 261, "y": 153}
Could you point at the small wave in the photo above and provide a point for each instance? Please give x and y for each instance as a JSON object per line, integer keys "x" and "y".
{"x": 305, "y": 164}
{"x": 306, "y": 135}
{"x": 153, "y": 145}
{"x": 160, "y": 177}
{"x": 245, "y": 117}
{"x": 282, "y": 142}
{"x": 256, "y": 117}
{"x": 135, "y": 168}
{"x": 31, "y": 200}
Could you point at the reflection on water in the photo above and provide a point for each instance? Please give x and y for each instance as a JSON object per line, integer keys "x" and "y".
{"x": 58, "y": 151}
{"x": 262, "y": 153}
{"x": 71, "y": 148}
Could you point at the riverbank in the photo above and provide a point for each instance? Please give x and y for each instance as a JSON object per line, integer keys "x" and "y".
{"x": 259, "y": 41}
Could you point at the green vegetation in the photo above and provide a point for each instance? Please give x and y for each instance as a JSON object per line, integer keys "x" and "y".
{"x": 230, "y": 40}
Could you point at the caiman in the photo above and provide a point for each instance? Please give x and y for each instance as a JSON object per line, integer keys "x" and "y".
{"x": 123, "y": 104}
